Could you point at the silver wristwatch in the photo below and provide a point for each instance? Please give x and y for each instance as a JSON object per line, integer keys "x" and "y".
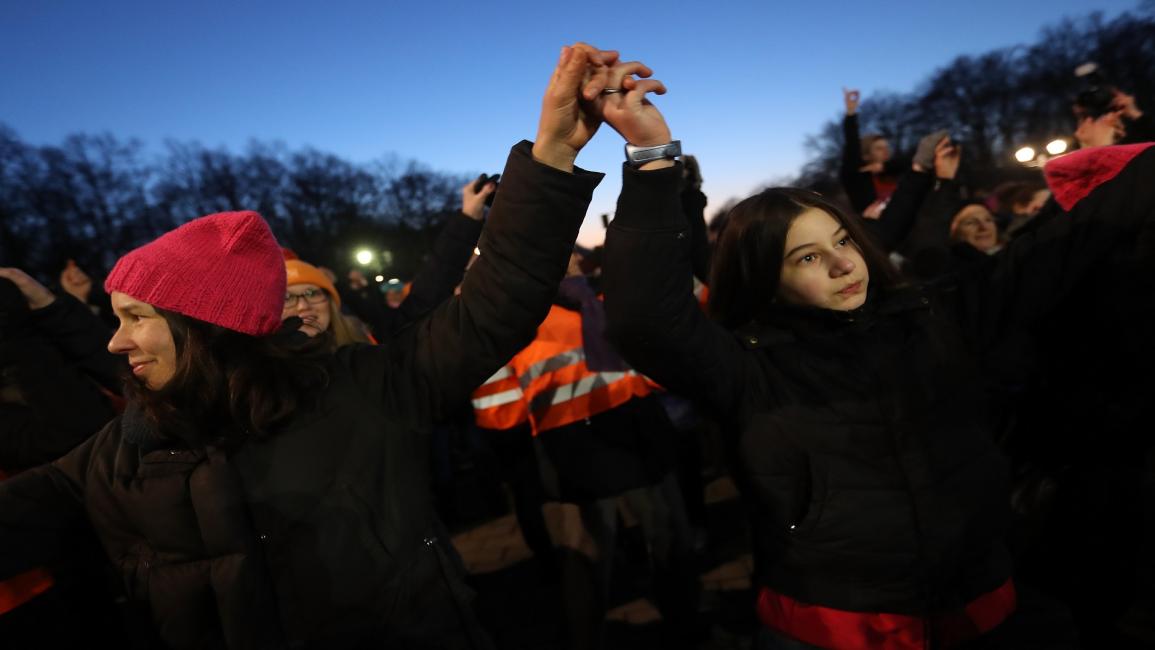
{"x": 638, "y": 156}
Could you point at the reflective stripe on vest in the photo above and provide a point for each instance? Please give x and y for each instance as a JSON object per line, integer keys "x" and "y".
{"x": 499, "y": 403}
{"x": 558, "y": 387}
{"x": 589, "y": 395}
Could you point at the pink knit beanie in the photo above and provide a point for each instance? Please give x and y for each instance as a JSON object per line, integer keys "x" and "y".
{"x": 226, "y": 269}
{"x": 1073, "y": 176}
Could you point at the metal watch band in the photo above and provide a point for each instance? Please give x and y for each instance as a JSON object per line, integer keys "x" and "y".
{"x": 637, "y": 156}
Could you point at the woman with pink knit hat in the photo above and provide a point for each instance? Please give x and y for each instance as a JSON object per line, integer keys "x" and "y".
{"x": 262, "y": 492}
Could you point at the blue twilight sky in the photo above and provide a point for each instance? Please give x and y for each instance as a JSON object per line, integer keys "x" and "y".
{"x": 455, "y": 84}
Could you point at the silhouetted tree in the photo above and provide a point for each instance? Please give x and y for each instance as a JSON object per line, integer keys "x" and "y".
{"x": 998, "y": 101}
{"x": 95, "y": 197}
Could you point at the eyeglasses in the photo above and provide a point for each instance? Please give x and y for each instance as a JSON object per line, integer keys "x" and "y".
{"x": 311, "y": 296}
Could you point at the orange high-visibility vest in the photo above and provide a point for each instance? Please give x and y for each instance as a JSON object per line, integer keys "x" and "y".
{"x": 500, "y": 403}
{"x": 19, "y": 589}
{"x": 548, "y": 383}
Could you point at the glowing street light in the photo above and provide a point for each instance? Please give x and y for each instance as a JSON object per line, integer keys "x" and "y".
{"x": 364, "y": 256}
{"x": 1056, "y": 147}
{"x": 1025, "y": 155}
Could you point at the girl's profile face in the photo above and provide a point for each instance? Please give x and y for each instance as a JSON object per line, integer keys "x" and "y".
{"x": 145, "y": 338}
{"x": 822, "y": 267}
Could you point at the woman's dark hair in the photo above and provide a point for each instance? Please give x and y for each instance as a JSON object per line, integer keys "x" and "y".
{"x": 228, "y": 385}
{"x": 748, "y": 260}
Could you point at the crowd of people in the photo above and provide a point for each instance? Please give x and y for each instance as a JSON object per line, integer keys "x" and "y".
{"x": 933, "y": 398}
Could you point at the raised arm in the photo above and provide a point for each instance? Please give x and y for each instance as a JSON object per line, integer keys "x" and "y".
{"x": 652, "y": 315}
{"x": 928, "y": 244}
{"x": 929, "y": 169}
{"x": 442, "y": 272}
{"x": 855, "y": 180}
{"x": 525, "y": 249}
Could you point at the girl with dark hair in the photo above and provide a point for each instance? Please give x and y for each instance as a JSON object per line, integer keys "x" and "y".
{"x": 854, "y": 402}
{"x": 261, "y": 491}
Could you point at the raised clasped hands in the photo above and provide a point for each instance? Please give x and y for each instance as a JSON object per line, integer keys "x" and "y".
{"x": 567, "y": 121}
{"x": 590, "y": 86}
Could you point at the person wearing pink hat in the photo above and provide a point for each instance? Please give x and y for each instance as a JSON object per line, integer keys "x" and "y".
{"x": 262, "y": 492}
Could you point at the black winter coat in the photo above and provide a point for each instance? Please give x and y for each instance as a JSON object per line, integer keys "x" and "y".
{"x": 862, "y": 437}
{"x": 321, "y": 535}
{"x": 49, "y": 400}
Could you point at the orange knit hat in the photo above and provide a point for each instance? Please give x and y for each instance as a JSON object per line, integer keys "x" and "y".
{"x": 299, "y": 272}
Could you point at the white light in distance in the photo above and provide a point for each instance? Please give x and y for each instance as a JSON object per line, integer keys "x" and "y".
{"x": 1026, "y": 154}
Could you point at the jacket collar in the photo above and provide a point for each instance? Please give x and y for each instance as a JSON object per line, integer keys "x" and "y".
{"x": 791, "y": 323}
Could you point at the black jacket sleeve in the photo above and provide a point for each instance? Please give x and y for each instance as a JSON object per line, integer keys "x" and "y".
{"x": 694, "y": 206}
{"x": 858, "y": 185}
{"x": 508, "y": 291}
{"x": 928, "y": 247}
{"x": 1140, "y": 130}
{"x": 652, "y": 315}
{"x": 893, "y": 227}
{"x": 47, "y": 407}
{"x": 82, "y": 340}
{"x": 41, "y": 508}
{"x": 442, "y": 272}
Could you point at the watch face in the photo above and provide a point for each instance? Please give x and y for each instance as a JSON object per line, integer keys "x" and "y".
{"x": 640, "y": 155}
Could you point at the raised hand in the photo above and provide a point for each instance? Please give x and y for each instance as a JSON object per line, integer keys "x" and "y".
{"x": 851, "y": 97}
{"x": 946, "y": 159}
{"x": 473, "y": 203}
{"x": 37, "y": 295}
{"x": 628, "y": 111}
{"x": 1126, "y": 105}
{"x": 567, "y": 120}
{"x": 75, "y": 281}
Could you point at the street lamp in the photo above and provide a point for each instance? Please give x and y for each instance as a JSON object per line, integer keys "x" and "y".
{"x": 1056, "y": 146}
{"x": 364, "y": 257}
